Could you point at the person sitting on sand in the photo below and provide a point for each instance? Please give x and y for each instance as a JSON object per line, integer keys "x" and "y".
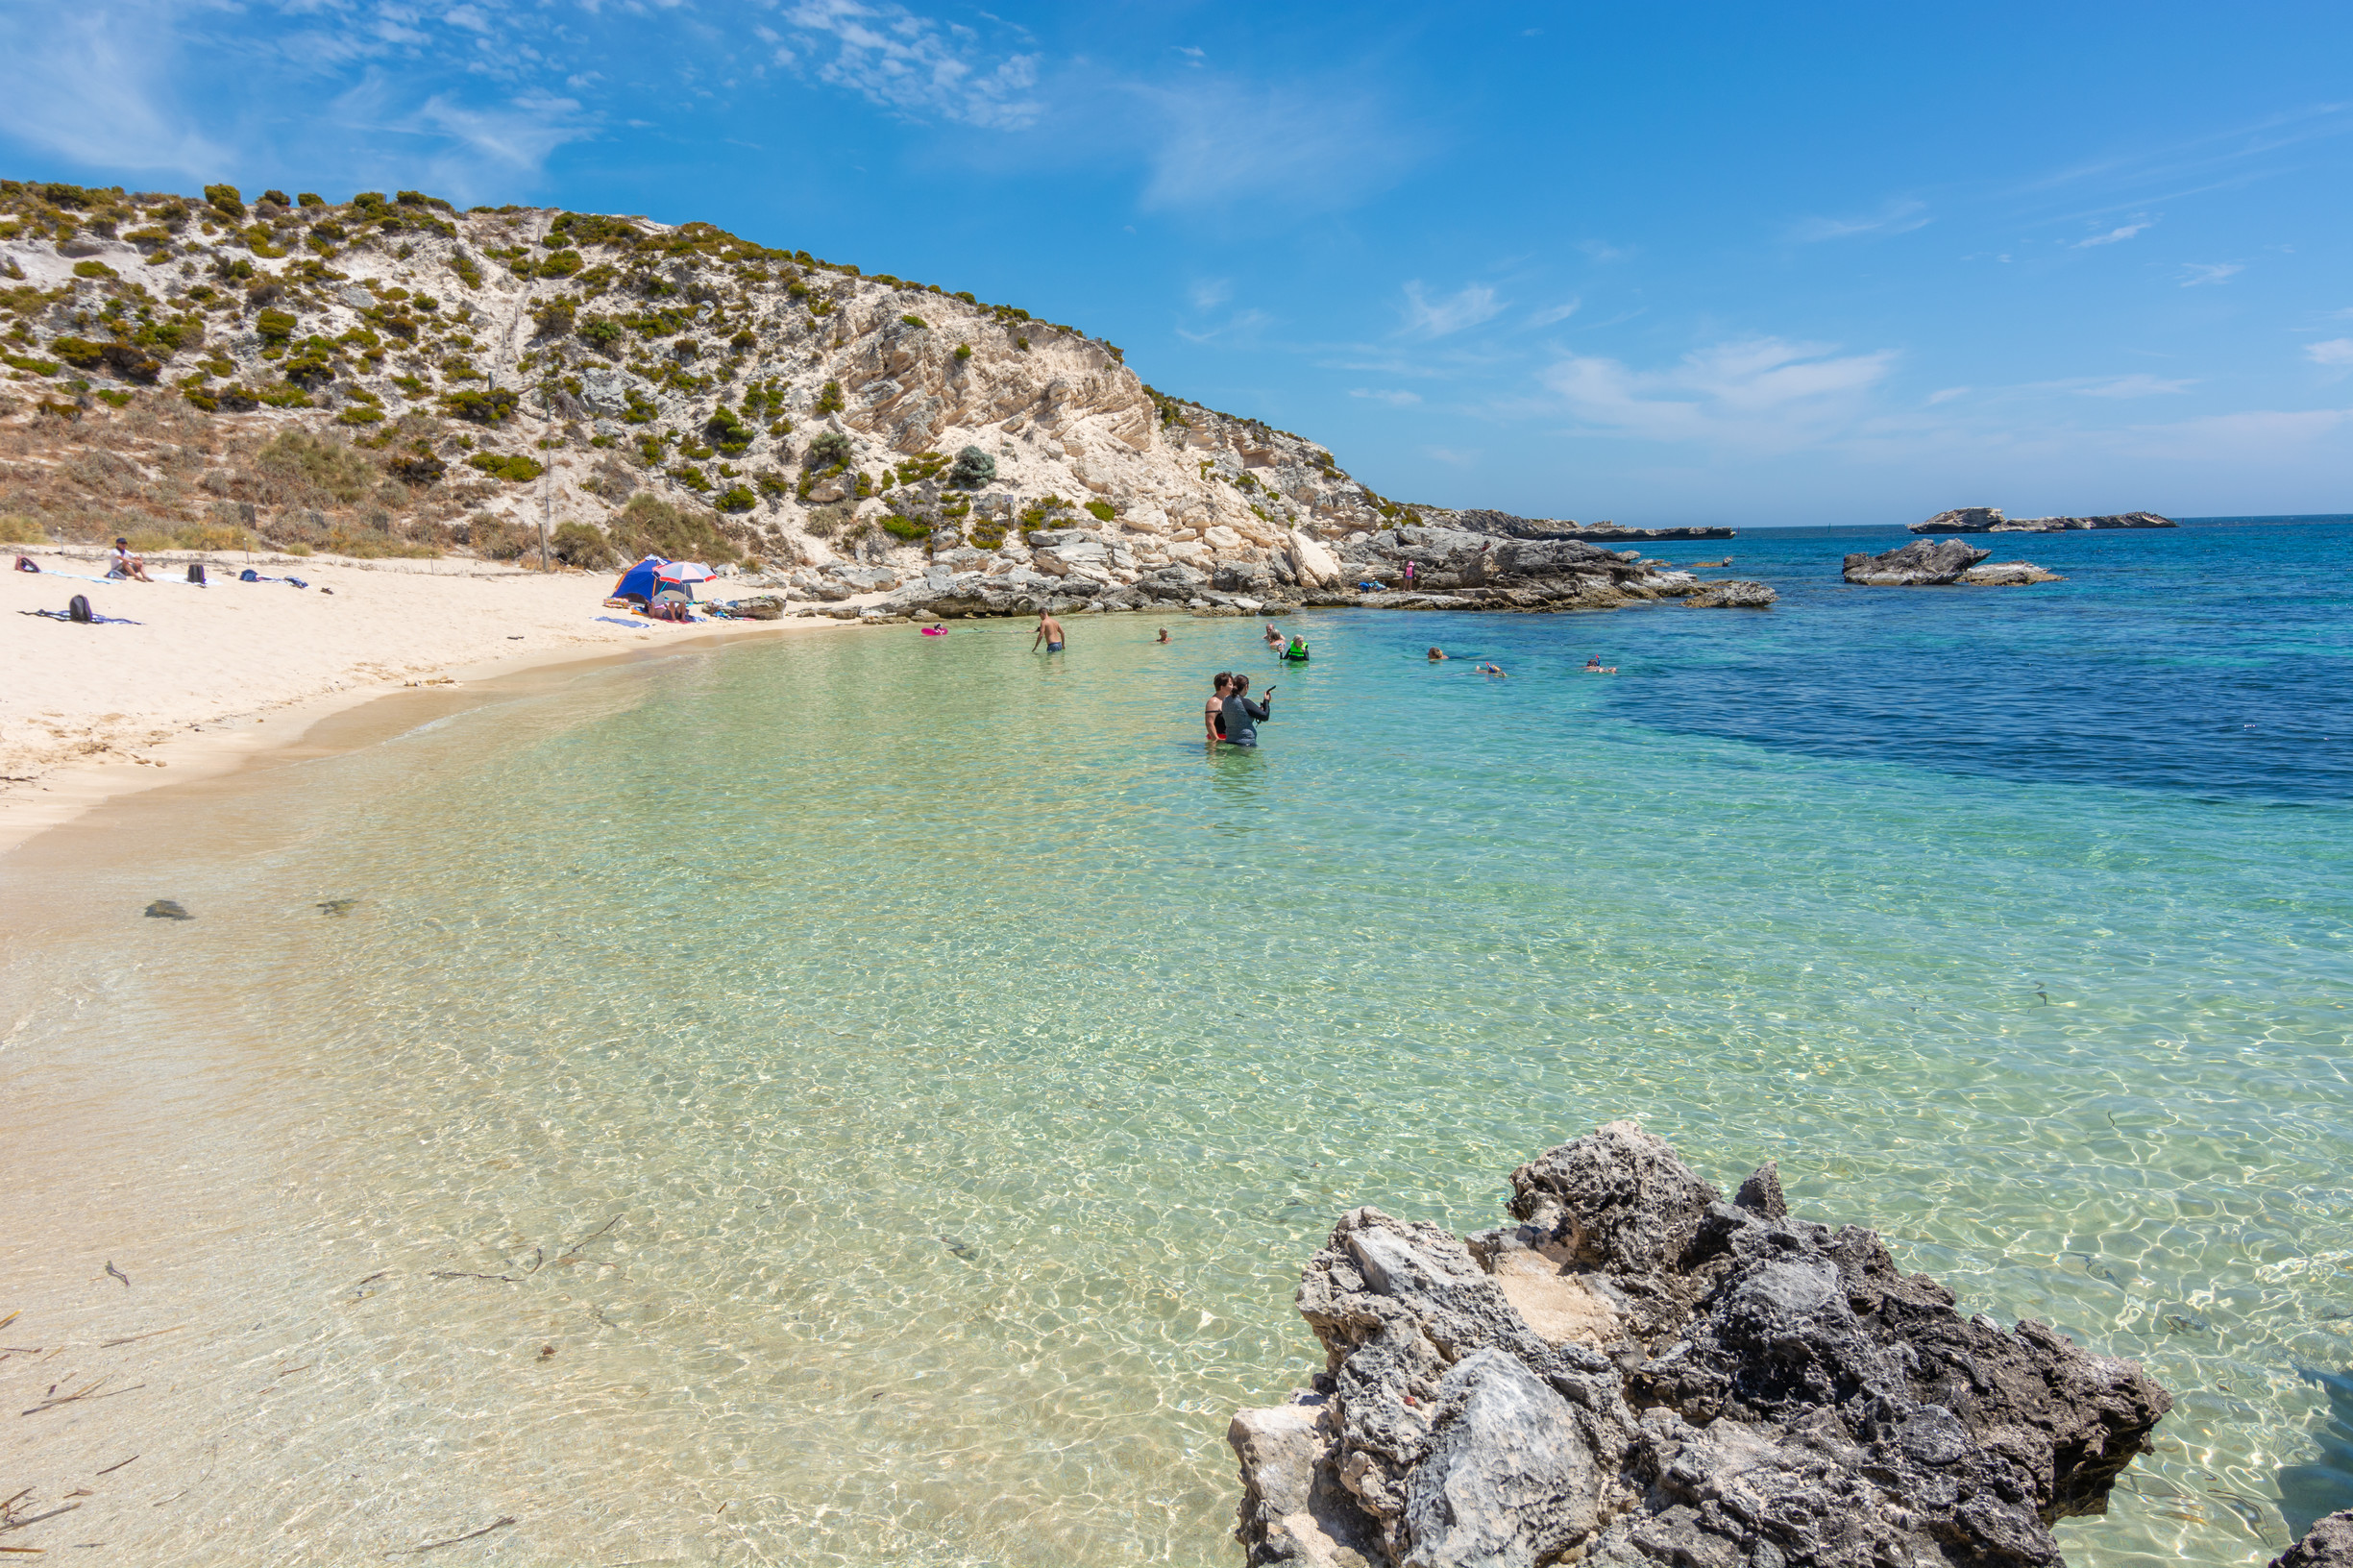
{"x": 1213, "y": 711}
{"x": 127, "y": 564}
{"x": 1435, "y": 654}
{"x": 1243, "y": 716}
{"x": 1050, "y": 632}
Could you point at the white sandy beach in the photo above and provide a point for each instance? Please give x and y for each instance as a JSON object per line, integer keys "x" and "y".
{"x": 209, "y": 675}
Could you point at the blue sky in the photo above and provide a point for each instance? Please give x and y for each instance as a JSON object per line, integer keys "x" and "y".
{"x": 1707, "y": 265}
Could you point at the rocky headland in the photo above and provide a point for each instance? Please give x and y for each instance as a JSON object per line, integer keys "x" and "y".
{"x": 1639, "y": 1372}
{"x": 1927, "y": 563}
{"x": 392, "y": 376}
{"x": 1989, "y": 519}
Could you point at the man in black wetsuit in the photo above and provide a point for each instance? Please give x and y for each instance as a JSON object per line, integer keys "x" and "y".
{"x": 1244, "y": 715}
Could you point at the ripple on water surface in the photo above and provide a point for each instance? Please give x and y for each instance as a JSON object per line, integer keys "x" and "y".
{"x": 970, "y": 1062}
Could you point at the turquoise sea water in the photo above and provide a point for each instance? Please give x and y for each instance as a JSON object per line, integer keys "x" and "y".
{"x": 971, "y": 1060}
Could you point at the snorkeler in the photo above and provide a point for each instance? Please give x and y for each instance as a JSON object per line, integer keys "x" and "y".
{"x": 1242, "y": 717}
{"x": 1593, "y": 667}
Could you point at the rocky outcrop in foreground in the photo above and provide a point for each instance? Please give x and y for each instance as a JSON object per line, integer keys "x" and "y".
{"x": 1639, "y": 1372}
{"x": 1989, "y": 519}
{"x": 2328, "y": 1544}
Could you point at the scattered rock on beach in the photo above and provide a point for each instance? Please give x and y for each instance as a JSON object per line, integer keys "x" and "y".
{"x": 167, "y": 909}
{"x": 2328, "y": 1544}
{"x": 338, "y": 907}
{"x": 1736, "y": 595}
{"x": 1639, "y": 1372}
{"x": 1923, "y": 563}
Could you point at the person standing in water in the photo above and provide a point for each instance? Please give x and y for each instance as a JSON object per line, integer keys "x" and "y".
{"x": 1243, "y": 716}
{"x": 1050, "y": 632}
{"x": 1213, "y": 711}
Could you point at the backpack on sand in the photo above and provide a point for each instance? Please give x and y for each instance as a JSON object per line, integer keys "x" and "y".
{"x": 196, "y": 572}
{"x": 77, "y": 608}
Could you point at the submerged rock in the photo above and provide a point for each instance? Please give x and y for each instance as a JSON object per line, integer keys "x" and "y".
{"x": 2008, "y": 574}
{"x": 167, "y": 909}
{"x": 1736, "y": 595}
{"x": 1920, "y": 564}
{"x": 2328, "y": 1544}
{"x": 1639, "y": 1372}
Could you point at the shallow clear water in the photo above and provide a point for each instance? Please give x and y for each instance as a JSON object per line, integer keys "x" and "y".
{"x": 970, "y": 1060}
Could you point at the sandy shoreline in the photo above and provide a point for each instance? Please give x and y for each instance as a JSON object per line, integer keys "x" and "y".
{"x": 212, "y": 677}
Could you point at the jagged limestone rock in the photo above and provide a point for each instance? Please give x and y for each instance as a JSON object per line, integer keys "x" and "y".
{"x": 1921, "y": 564}
{"x": 1640, "y": 1372}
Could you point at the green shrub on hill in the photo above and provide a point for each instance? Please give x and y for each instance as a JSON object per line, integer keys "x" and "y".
{"x": 225, "y": 201}
{"x": 513, "y": 467}
{"x": 649, "y": 525}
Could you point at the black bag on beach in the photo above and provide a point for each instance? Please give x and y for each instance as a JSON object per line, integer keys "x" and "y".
{"x": 196, "y": 572}
{"x": 77, "y": 608}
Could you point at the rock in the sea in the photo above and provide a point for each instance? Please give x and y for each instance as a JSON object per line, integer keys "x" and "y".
{"x": 1922, "y": 563}
{"x": 1989, "y": 519}
{"x": 2328, "y": 1544}
{"x": 1640, "y": 1372}
{"x": 1732, "y": 595}
{"x": 2008, "y": 574}
{"x": 167, "y": 909}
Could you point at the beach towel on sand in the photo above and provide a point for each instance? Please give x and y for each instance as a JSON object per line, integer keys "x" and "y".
{"x": 95, "y": 619}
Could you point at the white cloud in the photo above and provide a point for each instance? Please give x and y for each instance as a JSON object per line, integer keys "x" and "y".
{"x": 911, "y": 63}
{"x": 1602, "y": 251}
{"x": 467, "y": 16}
{"x": 1211, "y": 292}
{"x": 2135, "y": 386}
{"x": 1947, "y": 395}
{"x": 2114, "y": 236}
{"x": 2258, "y": 433}
{"x": 2210, "y": 272}
{"x": 1302, "y": 144}
{"x": 1395, "y": 398}
{"x": 2335, "y": 351}
{"x": 1896, "y": 217}
{"x": 1558, "y": 313}
{"x": 104, "y": 95}
{"x": 1437, "y": 318}
{"x": 1758, "y": 393}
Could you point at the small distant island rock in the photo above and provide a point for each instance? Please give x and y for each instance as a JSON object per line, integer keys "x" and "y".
{"x": 1989, "y": 519}
{"x": 1486, "y": 520}
{"x": 1639, "y": 1373}
{"x": 1924, "y": 563}
{"x": 2008, "y": 574}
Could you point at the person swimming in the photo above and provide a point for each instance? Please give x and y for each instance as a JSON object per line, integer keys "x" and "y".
{"x": 1435, "y": 654}
{"x": 1272, "y": 638}
{"x": 1486, "y": 669}
{"x": 1594, "y": 667}
{"x": 1213, "y": 711}
{"x": 1163, "y": 634}
{"x": 1298, "y": 649}
{"x": 1242, "y": 717}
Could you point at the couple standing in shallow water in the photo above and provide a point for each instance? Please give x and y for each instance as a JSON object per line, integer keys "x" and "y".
{"x": 1231, "y": 716}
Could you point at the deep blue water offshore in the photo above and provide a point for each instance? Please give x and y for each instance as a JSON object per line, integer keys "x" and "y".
{"x": 973, "y": 1060}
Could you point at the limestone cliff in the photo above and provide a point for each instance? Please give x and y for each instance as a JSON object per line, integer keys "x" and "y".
{"x": 466, "y": 351}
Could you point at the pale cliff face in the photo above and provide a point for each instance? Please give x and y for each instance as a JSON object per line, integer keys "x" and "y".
{"x": 668, "y": 326}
